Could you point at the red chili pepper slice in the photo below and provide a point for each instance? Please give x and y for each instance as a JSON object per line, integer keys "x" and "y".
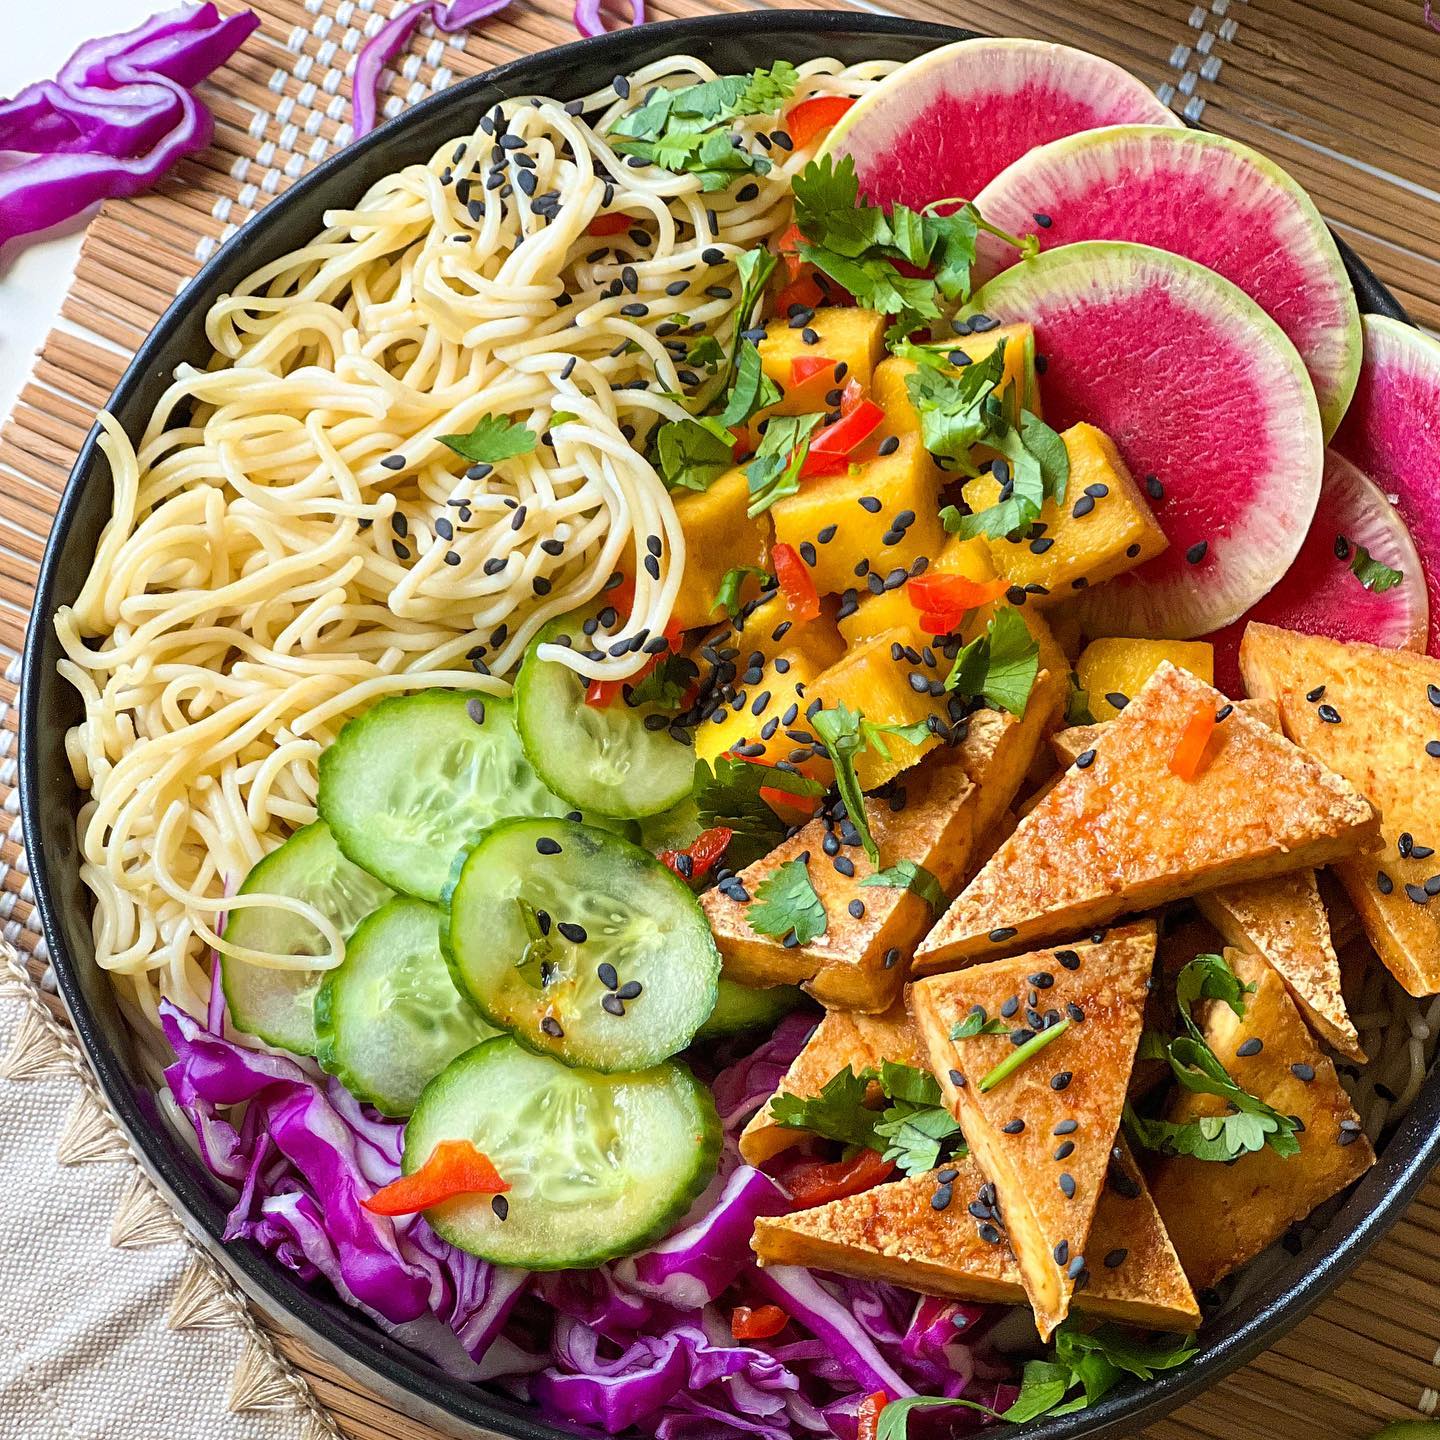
{"x": 797, "y": 584}
{"x": 611, "y": 224}
{"x": 867, "y": 1416}
{"x": 761, "y": 1323}
{"x": 851, "y": 396}
{"x": 807, "y": 367}
{"x": 1190, "y": 748}
{"x": 817, "y": 1182}
{"x": 944, "y": 600}
{"x": 803, "y": 122}
{"x": 698, "y": 858}
{"x": 788, "y": 249}
{"x": 836, "y": 442}
{"x": 455, "y": 1167}
{"x": 804, "y": 291}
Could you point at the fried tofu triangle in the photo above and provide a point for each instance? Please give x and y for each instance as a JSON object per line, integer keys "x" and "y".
{"x": 1123, "y": 832}
{"x": 1221, "y": 1215}
{"x": 919, "y": 1233}
{"x": 1373, "y": 715}
{"x": 1043, "y": 1134}
{"x": 843, "y": 1037}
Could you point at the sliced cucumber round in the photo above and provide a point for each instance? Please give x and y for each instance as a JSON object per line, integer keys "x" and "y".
{"x": 599, "y": 758}
{"x": 410, "y": 783}
{"x": 278, "y": 1005}
{"x": 741, "y": 1007}
{"x": 598, "y": 1165}
{"x": 580, "y": 944}
{"x": 390, "y": 1019}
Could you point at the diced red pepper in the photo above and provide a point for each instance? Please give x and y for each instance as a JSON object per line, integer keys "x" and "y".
{"x": 455, "y": 1167}
{"x": 803, "y": 122}
{"x": 804, "y": 291}
{"x": 834, "y": 444}
{"x": 788, "y": 248}
{"x": 1190, "y": 748}
{"x": 761, "y": 1323}
{"x": 700, "y": 855}
{"x": 817, "y": 1182}
{"x": 944, "y": 600}
{"x": 851, "y": 396}
{"x": 867, "y": 1416}
{"x": 807, "y": 367}
{"x": 611, "y": 224}
{"x": 797, "y": 584}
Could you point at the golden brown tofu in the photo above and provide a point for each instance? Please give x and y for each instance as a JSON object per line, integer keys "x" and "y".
{"x": 1076, "y": 739}
{"x": 1284, "y": 920}
{"x": 1222, "y": 1215}
{"x": 894, "y": 1233}
{"x": 1125, "y": 833}
{"x": 1373, "y": 713}
{"x": 1047, "y": 1188}
{"x": 718, "y": 537}
{"x": 843, "y": 1037}
{"x": 897, "y": 523}
{"x": 1102, "y": 527}
{"x": 860, "y": 961}
{"x": 848, "y": 337}
{"x": 1118, "y": 667}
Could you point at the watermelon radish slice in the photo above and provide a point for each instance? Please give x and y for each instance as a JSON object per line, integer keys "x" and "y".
{"x": 1320, "y": 594}
{"x": 1207, "y": 198}
{"x": 948, "y": 122}
{"x": 1392, "y": 432}
{"x": 1199, "y": 389}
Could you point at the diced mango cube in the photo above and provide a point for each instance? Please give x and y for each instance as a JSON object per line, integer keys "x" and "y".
{"x": 782, "y": 694}
{"x": 889, "y": 390}
{"x": 1102, "y": 527}
{"x": 870, "y": 680}
{"x": 881, "y": 515}
{"x": 892, "y": 609}
{"x": 771, "y": 629}
{"x": 1121, "y": 667}
{"x": 847, "y": 336}
{"x": 718, "y": 537}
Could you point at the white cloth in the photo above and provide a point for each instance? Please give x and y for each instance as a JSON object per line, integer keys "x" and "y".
{"x": 86, "y": 1349}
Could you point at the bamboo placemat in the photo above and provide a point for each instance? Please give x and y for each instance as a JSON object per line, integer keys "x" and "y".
{"x": 1345, "y": 94}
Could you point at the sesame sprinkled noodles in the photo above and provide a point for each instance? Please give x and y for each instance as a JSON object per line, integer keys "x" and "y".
{"x": 290, "y": 540}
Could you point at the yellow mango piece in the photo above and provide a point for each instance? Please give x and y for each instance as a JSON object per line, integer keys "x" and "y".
{"x": 889, "y": 391}
{"x": 771, "y": 629}
{"x": 1121, "y": 667}
{"x": 847, "y": 336}
{"x": 904, "y": 485}
{"x": 892, "y": 609}
{"x": 1114, "y": 531}
{"x": 784, "y": 691}
{"x": 871, "y": 681}
{"x": 718, "y": 537}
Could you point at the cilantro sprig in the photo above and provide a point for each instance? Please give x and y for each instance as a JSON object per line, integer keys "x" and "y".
{"x": 1249, "y": 1123}
{"x": 727, "y": 596}
{"x": 729, "y": 795}
{"x": 786, "y": 903}
{"x": 493, "y": 439}
{"x": 913, "y": 1128}
{"x": 999, "y": 666}
{"x": 913, "y": 877}
{"x": 774, "y": 470}
{"x": 1373, "y": 574}
{"x": 693, "y": 454}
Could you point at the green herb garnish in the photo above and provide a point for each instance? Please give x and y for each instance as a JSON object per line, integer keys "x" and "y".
{"x": 978, "y": 1023}
{"x": 1373, "y": 574}
{"x": 786, "y": 903}
{"x": 729, "y": 795}
{"x": 1023, "y": 1054}
{"x": 908, "y": 875}
{"x": 727, "y": 597}
{"x": 774, "y": 471}
{"x": 693, "y": 454}
{"x": 493, "y": 439}
{"x": 1000, "y": 665}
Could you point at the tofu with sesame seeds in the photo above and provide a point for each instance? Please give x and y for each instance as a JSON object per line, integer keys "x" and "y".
{"x": 937, "y": 1234}
{"x": 861, "y": 959}
{"x": 1089, "y": 997}
{"x": 1373, "y": 715}
{"x": 1222, "y": 1215}
{"x": 1124, "y": 832}
{"x": 842, "y": 1038}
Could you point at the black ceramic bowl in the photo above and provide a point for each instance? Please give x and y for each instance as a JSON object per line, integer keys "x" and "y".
{"x": 50, "y": 800}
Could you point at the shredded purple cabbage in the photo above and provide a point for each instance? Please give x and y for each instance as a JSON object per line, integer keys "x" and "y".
{"x": 643, "y": 1342}
{"x": 116, "y": 118}
{"x": 589, "y": 21}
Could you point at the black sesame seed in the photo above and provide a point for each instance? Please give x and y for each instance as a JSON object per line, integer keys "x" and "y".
{"x": 1301, "y": 1070}
{"x": 940, "y": 1200}
{"x": 989, "y": 1234}
{"x": 552, "y": 1027}
{"x": 891, "y": 958}
{"x": 1082, "y": 507}
{"x": 1062, "y": 1252}
{"x": 501, "y": 1206}
{"x": 1253, "y": 1046}
{"x": 1076, "y": 1265}
{"x": 1066, "y": 1127}
{"x": 575, "y": 934}
{"x": 1085, "y": 759}
{"x": 1068, "y": 958}
{"x": 1198, "y": 551}
{"x": 1013, "y": 1127}
{"x": 1318, "y": 693}
{"x": 1405, "y": 844}
{"x": 1042, "y": 220}
{"x": 1417, "y": 894}
{"x": 393, "y": 462}
{"x": 607, "y": 975}
{"x": 402, "y": 552}
{"x": 1115, "y": 1259}
{"x": 857, "y": 909}
{"x": 630, "y": 990}
{"x": 1061, "y": 1081}
{"x": 1329, "y": 714}
{"x": 746, "y": 193}
{"x": 546, "y": 846}
{"x": 1067, "y": 1185}
{"x": 1432, "y": 694}
{"x": 1384, "y": 883}
{"x": 612, "y": 1004}
{"x": 870, "y": 503}
{"x": 1154, "y": 488}
{"x": 1432, "y": 749}
{"x": 957, "y": 1079}
{"x": 1002, "y": 933}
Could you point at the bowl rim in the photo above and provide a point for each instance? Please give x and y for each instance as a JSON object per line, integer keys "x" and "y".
{"x": 342, "y": 1335}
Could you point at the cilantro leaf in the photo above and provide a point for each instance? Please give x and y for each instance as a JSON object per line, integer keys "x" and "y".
{"x": 1000, "y": 665}
{"x": 666, "y": 685}
{"x": 493, "y": 439}
{"x": 876, "y": 284}
{"x": 751, "y": 389}
{"x": 916, "y": 1136}
{"x": 693, "y": 454}
{"x": 727, "y": 597}
{"x": 907, "y": 875}
{"x": 838, "y": 1112}
{"x": 774, "y": 470}
{"x": 840, "y": 733}
{"x": 1373, "y": 574}
{"x": 786, "y": 903}
{"x": 729, "y": 795}
{"x": 951, "y": 404}
{"x": 706, "y": 351}
{"x": 950, "y": 241}
{"x": 827, "y": 205}
{"x": 977, "y": 1023}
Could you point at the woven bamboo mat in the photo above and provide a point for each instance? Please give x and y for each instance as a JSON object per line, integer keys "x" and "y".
{"x": 1346, "y": 94}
